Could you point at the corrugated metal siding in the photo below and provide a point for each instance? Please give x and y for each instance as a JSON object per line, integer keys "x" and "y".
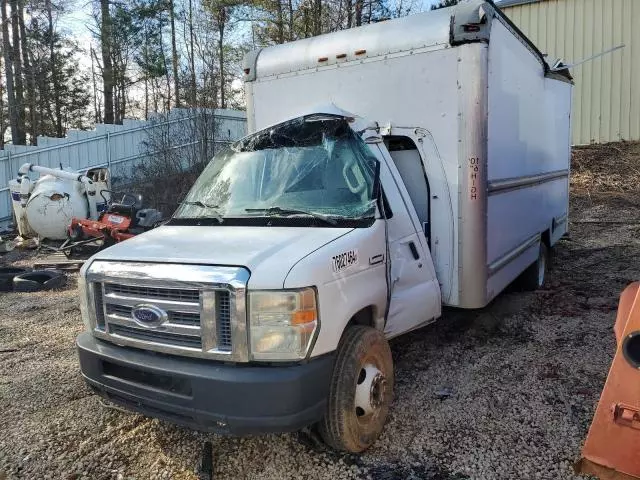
{"x": 121, "y": 147}
{"x": 606, "y": 98}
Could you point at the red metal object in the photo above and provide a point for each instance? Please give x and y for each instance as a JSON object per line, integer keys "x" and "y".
{"x": 612, "y": 448}
{"x": 108, "y": 226}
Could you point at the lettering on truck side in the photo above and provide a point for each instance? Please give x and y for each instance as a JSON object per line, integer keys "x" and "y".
{"x": 344, "y": 260}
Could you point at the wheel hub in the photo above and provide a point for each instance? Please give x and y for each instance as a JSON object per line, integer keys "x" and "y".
{"x": 370, "y": 391}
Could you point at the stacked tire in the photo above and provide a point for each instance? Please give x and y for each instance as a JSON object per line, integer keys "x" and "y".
{"x": 7, "y": 274}
{"x": 22, "y": 280}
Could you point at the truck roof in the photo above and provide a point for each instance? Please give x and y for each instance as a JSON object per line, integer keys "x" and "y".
{"x": 467, "y": 22}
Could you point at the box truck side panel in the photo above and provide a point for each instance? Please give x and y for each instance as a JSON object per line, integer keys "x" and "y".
{"x": 522, "y": 118}
{"x": 405, "y": 89}
{"x": 528, "y": 158}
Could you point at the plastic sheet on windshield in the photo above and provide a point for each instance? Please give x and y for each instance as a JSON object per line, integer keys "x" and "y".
{"x": 318, "y": 165}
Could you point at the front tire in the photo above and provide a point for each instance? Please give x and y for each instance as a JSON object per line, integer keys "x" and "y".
{"x": 361, "y": 391}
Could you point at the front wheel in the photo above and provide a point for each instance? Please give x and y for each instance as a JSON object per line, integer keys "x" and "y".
{"x": 361, "y": 391}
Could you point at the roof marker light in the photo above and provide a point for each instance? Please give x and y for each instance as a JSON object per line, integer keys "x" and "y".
{"x": 341, "y": 55}
{"x": 323, "y": 59}
{"x": 360, "y": 52}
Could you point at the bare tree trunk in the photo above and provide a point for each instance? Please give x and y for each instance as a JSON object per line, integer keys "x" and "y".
{"x": 119, "y": 87}
{"x": 123, "y": 101}
{"x": 291, "y": 37}
{"x": 17, "y": 72}
{"x": 55, "y": 74}
{"x": 146, "y": 75}
{"x": 318, "y": 17}
{"x": 194, "y": 87}
{"x": 305, "y": 21}
{"x": 8, "y": 68}
{"x": 155, "y": 89}
{"x": 96, "y": 114}
{"x": 168, "y": 104}
{"x": 31, "y": 88}
{"x": 280, "y": 21}
{"x": 222, "y": 18}
{"x": 359, "y": 5}
{"x": 2, "y": 119}
{"x": 107, "y": 66}
{"x": 174, "y": 53}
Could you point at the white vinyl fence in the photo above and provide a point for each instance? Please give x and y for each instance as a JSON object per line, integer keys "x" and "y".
{"x": 121, "y": 147}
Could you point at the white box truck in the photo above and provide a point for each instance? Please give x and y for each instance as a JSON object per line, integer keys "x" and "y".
{"x": 391, "y": 169}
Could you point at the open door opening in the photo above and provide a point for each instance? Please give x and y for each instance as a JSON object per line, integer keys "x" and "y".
{"x": 406, "y": 157}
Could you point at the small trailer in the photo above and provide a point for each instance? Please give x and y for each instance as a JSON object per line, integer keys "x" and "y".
{"x": 391, "y": 169}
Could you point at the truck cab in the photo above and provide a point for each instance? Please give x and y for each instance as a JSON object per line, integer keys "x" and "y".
{"x": 267, "y": 301}
{"x": 301, "y": 219}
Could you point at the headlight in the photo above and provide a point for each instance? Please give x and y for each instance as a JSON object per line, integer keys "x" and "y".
{"x": 282, "y": 323}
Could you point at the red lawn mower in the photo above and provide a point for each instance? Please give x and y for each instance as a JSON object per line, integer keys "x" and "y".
{"x": 120, "y": 221}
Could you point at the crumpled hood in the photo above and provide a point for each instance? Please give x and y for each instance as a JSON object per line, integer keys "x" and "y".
{"x": 268, "y": 252}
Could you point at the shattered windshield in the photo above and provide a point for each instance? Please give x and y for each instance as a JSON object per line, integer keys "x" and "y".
{"x": 315, "y": 167}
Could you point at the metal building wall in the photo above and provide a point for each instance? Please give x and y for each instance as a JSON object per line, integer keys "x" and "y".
{"x": 606, "y": 98}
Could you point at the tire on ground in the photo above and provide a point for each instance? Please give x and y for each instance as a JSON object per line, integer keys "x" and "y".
{"x": 363, "y": 365}
{"x": 6, "y": 277}
{"x": 533, "y": 278}
{"x": 39, "y": 280}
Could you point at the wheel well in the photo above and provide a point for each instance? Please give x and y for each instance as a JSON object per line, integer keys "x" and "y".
{"x": 365, "y": 316}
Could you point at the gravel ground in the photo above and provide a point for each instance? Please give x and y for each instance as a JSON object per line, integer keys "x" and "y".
{"x": 502, "y": 393}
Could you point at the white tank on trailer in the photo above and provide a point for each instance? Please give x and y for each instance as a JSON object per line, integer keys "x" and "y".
{"x": 47, "y": 205}
{"x": 53, "y": 203}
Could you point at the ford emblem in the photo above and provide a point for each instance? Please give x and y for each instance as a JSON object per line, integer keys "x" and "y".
{"x": 149, "y": 315}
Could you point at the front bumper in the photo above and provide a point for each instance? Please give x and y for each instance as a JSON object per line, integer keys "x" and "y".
{"x": 224, "y": 398}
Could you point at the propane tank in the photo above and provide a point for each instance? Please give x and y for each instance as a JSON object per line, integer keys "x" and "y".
{"x": 56, "y": 197}
{"x": 53, "y": 203}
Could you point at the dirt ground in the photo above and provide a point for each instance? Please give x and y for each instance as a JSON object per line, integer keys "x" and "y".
{"x": 502, "y": 393}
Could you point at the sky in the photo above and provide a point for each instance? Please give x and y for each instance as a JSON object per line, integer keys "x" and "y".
{"x": 78, "y": 20}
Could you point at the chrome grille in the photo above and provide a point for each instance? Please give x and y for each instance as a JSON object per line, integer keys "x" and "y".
{"x": 178, "y": 318}
{"x": 181, "y": 295}
{"x": 97, "y": 296}
{"x": 191, "y": 310}
{"x": 183, "y": 327}
{"x": 187, "y": 341}
{"x": 223, "y": 315}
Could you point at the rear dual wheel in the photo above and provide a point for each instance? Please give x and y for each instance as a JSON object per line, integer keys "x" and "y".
{"x": 361, "y": 391}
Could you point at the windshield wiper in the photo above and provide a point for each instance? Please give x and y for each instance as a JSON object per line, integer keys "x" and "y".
{"x": 214, "y": 208}
{"x": 291, "y": 211}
